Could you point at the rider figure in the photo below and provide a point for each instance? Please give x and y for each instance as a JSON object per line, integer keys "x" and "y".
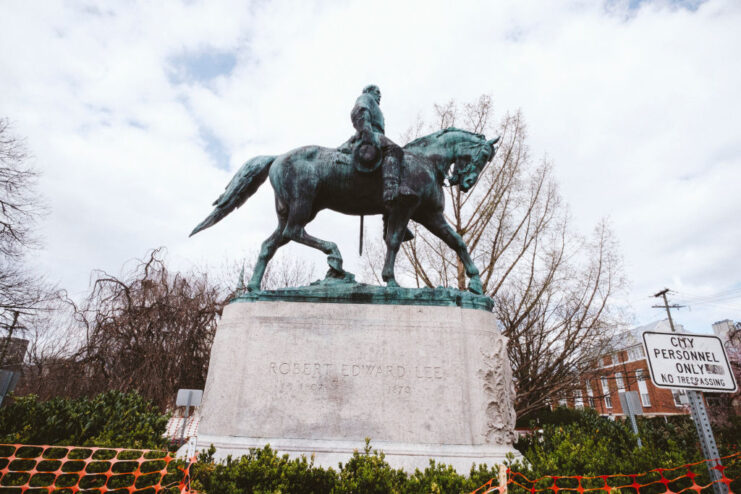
{"x": 367, "y": 119}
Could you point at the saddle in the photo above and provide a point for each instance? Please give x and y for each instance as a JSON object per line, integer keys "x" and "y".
{"x": 365, "y": 157}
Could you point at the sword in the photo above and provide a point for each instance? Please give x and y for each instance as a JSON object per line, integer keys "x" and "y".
{"x": 360, "y": 242}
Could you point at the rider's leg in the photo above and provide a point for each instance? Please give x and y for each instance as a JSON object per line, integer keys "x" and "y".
{"x": 392, "y": 158}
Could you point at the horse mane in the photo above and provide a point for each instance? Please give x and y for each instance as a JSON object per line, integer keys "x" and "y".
{"x": 425, "y": 141}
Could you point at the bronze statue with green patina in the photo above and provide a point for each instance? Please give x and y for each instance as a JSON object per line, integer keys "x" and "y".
{"x": 367, "y": 175}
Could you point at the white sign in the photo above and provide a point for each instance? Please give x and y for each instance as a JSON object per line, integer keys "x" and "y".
{"x": 688, "y": 361}
{"x": 189, "y": 397}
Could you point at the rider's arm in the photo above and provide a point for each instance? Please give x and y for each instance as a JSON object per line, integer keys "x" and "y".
{"x": 362, "y": 122}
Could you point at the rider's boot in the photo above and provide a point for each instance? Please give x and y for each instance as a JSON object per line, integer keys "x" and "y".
{"x": 392, "y": 189}
{"x": 391, "y": 178}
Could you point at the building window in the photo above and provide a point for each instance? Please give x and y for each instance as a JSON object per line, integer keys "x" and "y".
{"x": 562, "y": 402}
{"x": 679, "y": 397}
{"x": 578, "y": 402}
{"x": 606, "y": 391}
{"x": 619, "y": 381}
{"x": 590, "y": 395}
{"x": 636, "y": 353}
{"x": 642, "y": 388}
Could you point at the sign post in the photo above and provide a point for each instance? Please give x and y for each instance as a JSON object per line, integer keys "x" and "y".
{"x": 631, "y": 405}
{"x": 187, "y": 398}
{"x": 696, "y": 363}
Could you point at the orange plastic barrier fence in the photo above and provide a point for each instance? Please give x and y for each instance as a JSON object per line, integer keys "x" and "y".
{"x": 72, "y": 469}
{"x": 658, "y": 481}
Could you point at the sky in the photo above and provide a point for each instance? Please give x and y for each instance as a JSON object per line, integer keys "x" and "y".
{"x": 137, "y": 114}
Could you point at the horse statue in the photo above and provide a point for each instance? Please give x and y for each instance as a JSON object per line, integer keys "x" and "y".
{"x": 312, "y": 178}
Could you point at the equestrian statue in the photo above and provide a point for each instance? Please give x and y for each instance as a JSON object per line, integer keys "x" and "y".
{"x": 369, "y": 174}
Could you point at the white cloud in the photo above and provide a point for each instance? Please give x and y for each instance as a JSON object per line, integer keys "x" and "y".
{"x": 636, "y": 107}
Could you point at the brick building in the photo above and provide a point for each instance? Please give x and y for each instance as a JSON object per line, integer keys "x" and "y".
{"x": 625, "y": 368}
{"x": 729, "y": 333}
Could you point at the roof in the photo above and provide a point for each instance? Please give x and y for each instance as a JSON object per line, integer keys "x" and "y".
{"x": 634, "y": 336}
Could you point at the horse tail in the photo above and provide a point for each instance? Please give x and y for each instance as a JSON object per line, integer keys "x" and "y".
{"x": 244, "y": 183}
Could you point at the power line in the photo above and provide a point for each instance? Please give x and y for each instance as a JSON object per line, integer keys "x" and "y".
{"x": 730, "y": 294}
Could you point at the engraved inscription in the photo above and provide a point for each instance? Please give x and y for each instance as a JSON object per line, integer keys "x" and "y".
{"x": 394, "y": 379}
{"x": 320, "y": 369}
{"x": 300, "y": 368}
{"x": 399, "y": 390}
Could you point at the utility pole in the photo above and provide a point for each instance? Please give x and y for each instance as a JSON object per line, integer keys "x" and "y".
{"x": 699, "y": 414}
{"x": 666, "y": 305}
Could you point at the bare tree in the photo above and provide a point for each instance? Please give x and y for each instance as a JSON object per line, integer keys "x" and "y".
{"x": 149, "y": 330}
{"x": 22, "y": 293}
{"x": 725, "y": 406}
{"x": 551, "y": 286}
{"x": 283, "y": 271}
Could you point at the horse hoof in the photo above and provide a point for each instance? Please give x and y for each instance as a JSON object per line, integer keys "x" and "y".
{"x": 474, "y": 286}
{"x": 333, "y": 274}
{"x": 252, "y": 288}
{"x": 392, "y": 284}
{"x": 335, "y": 262}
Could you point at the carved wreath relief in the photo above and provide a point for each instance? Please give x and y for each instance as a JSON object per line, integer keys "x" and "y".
{"x": 499, "y": 391}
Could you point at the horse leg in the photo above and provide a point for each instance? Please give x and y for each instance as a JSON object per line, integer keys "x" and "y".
{"x": 269, "y": 247}
{"x": 396, "y": 227}
{"x": 295, "y": 231}
{"x": 439, "y": 227}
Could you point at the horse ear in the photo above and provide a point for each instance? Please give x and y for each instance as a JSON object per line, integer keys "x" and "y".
{"x": 491, "y": 142}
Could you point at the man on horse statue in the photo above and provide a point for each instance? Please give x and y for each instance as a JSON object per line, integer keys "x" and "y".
{"x": 371, "y": 148}
{"x": 408, "y": 187}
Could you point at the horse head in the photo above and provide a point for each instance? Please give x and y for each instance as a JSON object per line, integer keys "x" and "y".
{"x": 471, "y": 158}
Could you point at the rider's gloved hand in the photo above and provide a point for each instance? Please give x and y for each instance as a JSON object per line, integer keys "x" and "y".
{"x": 370, "y": 137}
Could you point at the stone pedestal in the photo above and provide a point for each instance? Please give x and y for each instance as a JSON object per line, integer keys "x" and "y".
{"x": 318, "y": 378}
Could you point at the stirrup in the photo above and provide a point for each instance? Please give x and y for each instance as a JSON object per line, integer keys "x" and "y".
{"x": 390, "y": 196}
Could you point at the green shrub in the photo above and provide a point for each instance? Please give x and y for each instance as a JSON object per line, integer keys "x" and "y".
{"x": 369, "y": 473}
{"x": 111, "y": 419}
{"x": 574, "y": 442}
{"x": 263, "y": 471}
{"x": 593, "y": 445}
